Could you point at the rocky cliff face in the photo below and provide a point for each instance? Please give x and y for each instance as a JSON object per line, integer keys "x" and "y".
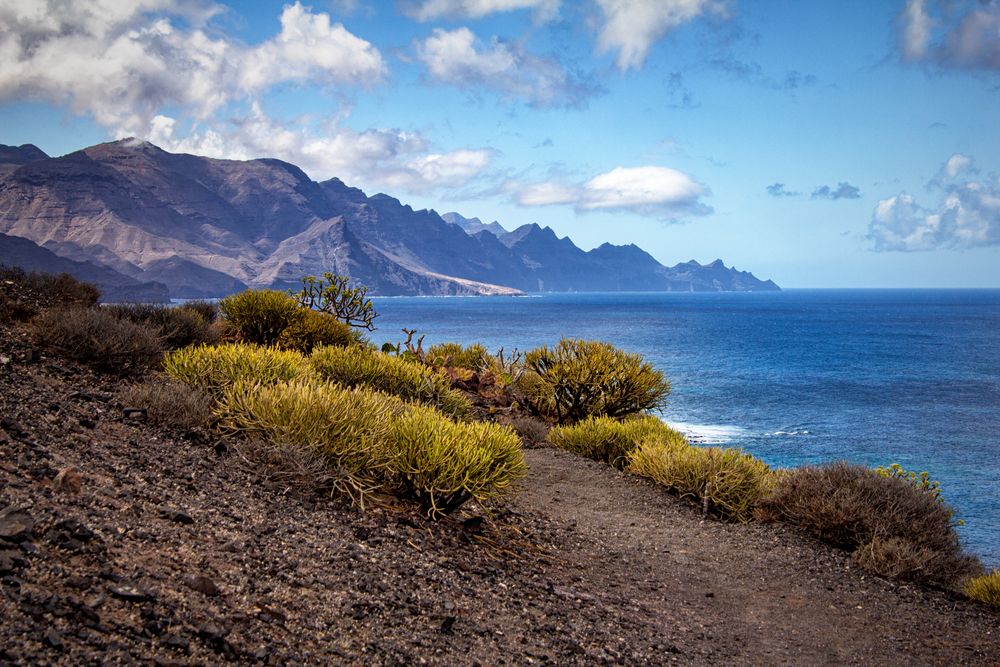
{"x": 206, "y": 227}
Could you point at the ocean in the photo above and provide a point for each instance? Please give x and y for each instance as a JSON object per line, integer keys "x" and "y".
{"x": 793, "y": 377}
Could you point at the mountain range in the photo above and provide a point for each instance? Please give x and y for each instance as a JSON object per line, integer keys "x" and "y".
{"x": 143, "y": 223}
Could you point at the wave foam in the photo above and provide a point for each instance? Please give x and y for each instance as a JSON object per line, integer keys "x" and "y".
{"x": 707, "y": 434}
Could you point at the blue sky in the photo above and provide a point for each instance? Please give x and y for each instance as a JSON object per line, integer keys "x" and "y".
{"x": 821, "y": 144}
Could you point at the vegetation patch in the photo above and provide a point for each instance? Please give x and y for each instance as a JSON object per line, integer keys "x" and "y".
{"x": 97, "y": 338}
{"x": 576, "y": 379}
{"x": 213, "y": 368}
{"x": 315, "y": 329}
{"x": 985, "y": 588}
{"x": 442, "y": 464}
{"x": 169, "y": 403}
{"x": 727, "y": 483}
{"x": 177, "y": 327}
{"x": 610, "y": 440}
{"x": 892, "y": 526}
{"x": 409, "y": 380}
{"x": 260, "y": 316}
{"x": 452, "y": 355}
{"x": 46, "y": 290}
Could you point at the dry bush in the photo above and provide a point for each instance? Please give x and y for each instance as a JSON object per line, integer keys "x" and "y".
{"x": 169, "y": 403}
{"x": 985, "y": 588}
{"x": 892, "y": 526}
{"x": 442, "y": 464}
{"x": 409, "y": 380}
{"x": 98, "y": 338}
{"x": 531, "y": 429}
{"x": 45, "y": 290}
{"x": 727, "y": 483}
{"x": 177, "y": 327}
{"x": 260, "y": 316}
{"x": 13, "y": 310}
{"x": 213, "y": 368}
{"x": 208, "y": 310}
{"x": 580, "y": 378}
{"x": 610, "y": 440}
{"x": 315, "y": 329}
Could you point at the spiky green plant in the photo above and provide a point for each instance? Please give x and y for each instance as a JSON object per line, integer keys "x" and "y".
{"x": 351, "y": 428}
{"x": 260, "y": 316}
{"x": 454, "y": 355}
{"x": 443, "y": 464}
{"x": 726, "y": 482}
{"x": 580, "y": 378}
{"x": 610, "y": 440}
{"x": 315, "y": 329}
{"x": 212, "y": 368}
{"x": 409, "y": 380}
{"x": 985, "y": 588}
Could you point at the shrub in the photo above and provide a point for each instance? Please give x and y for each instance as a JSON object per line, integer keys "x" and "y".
{"x": 13, "y": 310}
{"x": 334, "y": 295}
{"x": 170, "y": 403}
{"x": 409, "y": 380}
{"x": 443, "y": 464}
{"x": 473, "y": 357}
{"x": 590, "y": 378}
{"x": 892, "y": 527}
{"x": 45, "y": 290}
{"x": 349, "y": 427}
{"x": 260, "y": 316}
{"x": 725, "y": 482}
{"x": 610, "y": 440}
{"x": 985, "y": 588}
{"x": 315, "y": 329}
{"x": 212, "y": 368}
{"x": 97, "y": 338}
{"x": 208, "y": 310}
{"x": 178, "y": 327}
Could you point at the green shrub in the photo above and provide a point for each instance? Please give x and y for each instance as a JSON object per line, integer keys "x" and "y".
{"x": 260, "y": 316}
{"x": 351, "y": 428}
{"x": 589, "y": 378}
{"x": 315, "y": 329}
{"x": 473, "y": 357}
{"x": 169, "y": 403}
{"x": 610, "y": 440}
{"x": 985, "y": 588}
{"x": 177, "y": 327}
{"x": 726, "y": 482}
{"x": 212, "y": 368}
{"x": 335, "y": 296}
{"x": 97, "y": 338}
{"x": 409, "y": 380}
{"x": 443, "y": 464}
{"x": 892, "y": 527}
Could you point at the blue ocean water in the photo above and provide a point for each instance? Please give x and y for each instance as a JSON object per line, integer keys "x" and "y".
{"x": 799, "y": 376}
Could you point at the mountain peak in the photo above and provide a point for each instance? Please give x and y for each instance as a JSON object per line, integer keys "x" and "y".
{"x": 23, "y": 154}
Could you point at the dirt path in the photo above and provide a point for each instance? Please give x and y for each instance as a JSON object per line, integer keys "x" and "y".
{"x": 746, "y": 594}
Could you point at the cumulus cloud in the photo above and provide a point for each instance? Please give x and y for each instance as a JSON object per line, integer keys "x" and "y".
{"x": 651, "y": 191}
{"x": 842, "y": 191}
{"x": 778, "y": 190}
{"x": 427, "y": 10}
{"x": 967, "y": 216}
{"x": 458, "y": 58}
{"x": 386, "y": 159}
{"x": 949, "y": 34}
{"x": 122, "y": 62}
{"x": 632, "y": 26}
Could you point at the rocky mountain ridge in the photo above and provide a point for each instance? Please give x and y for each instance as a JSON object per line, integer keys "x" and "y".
{"x": 206, "y": 227}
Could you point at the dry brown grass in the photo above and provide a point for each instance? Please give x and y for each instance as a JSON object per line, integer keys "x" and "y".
{"x": 99, "y": 339}
{"x": 169, "y": 403}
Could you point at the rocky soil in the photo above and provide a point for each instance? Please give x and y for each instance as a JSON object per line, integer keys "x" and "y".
{"x": 122, "y": 543}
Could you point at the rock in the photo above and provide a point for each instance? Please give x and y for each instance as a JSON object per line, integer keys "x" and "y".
{"x": 15, "y": 524}
{"x": 53, "y": 639}
{"x": 447, "y": 625}
{"x": 177, "y": 642}
{"x": 129, "y": 592}
{"x": 10, "y": 561}
{"x": 12, "y": 427}
{"x": 202, "y": 584}
{"x": 68, "y": 481}
{"x": 177, "y": 516}
{"x": 86, "y": 422}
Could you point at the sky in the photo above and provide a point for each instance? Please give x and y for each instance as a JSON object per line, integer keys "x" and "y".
{"x": 840, "y": 143}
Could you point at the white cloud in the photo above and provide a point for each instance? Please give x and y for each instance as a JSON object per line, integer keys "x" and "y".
{"x": 632, "y": 26}
{"x": 651, "y": 190}
{"x": 957, "y": 164}
{"x": 949, "y": 34}
{"x": 968, "y": 216}
{"x": 456, "y": 57}
{"x": 476, "y": 9}
{"x": 381, "y": 159}
{"x": 122, "y": 62}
